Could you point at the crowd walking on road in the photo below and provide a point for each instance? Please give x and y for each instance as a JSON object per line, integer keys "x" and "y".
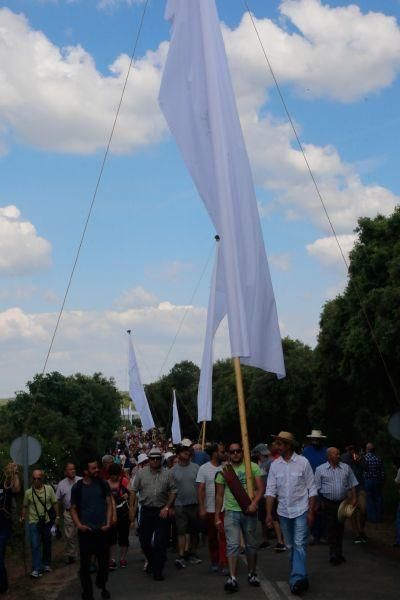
{"x": 175, "y": 495}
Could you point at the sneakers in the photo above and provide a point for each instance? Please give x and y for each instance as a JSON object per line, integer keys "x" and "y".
{"x": 231, "y": 585}
{"x": 180, "y": 563}
{"x": 364, "y": 538}
{"x": 112, "y": 565}
{"x": 280, "y": 548}
{"x": 253, "y": 580}
{"x": 263, "y": 545}
{"x": 36, "y": 574}
{"x": 123, "y": 564}
{"x": 193, "y": 559}
{"x": 47, "y": 569}
{"x": 358, "y": 540}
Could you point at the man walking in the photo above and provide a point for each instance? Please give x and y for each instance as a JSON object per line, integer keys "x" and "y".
{"x": 236, "y": 521}
{"x": 186, "y": 507}
{"x": 316, "y": 454}
{"x": 157, "y": 495}
{"x": 333, "y": 481}
{"x": 374, "y": 477}
{"x": 41, "y": 508}
{"x": 63, "y": 495}
{"x": 206, "y": 495}
{"x": 291, "y": 480}
{"x": 91, "y": 511}
{"x": 9, "y": 486}
{"x": 356, "y": 462}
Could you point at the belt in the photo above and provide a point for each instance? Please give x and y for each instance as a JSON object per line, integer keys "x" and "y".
{"x": 329, "y": 499}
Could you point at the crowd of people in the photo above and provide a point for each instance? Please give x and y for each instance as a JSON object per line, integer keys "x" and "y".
{"x": 175, "y": 494}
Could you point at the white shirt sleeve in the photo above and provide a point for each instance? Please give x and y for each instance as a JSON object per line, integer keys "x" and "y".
{"x": 309, "y": 476}
{"x": 200, "y": 476}
{"x": 271, "y": 488}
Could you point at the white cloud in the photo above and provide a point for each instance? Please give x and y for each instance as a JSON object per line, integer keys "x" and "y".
{"x": 137, "y": 297}
{"x": 324, "y": 51}
{"x": 326, "y": 249}
{"x": 55, "y": 98}
{"x": 89, "y": 341}
{"x": 112, "y": 4}
{"x": 21, "y": 249}
{"x": 14, "y": 324}
{"x": 282, "y": 261}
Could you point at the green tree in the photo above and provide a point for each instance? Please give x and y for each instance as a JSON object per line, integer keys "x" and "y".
{"x": 354, "y": 394}
{"x": 66, "y": 414}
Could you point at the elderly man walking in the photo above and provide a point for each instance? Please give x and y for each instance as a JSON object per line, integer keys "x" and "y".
{"x": 291, "y": 480}
{"x": 333, "y": 480}
{"x": 63, "y": 495}
{"x": 157, "y": 495}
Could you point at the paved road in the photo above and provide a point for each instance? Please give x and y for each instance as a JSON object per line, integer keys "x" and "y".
{"x": 367, "y": 575}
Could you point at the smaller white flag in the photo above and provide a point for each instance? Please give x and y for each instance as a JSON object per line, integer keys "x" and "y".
{"x": 176, "y": 426}
{"x": 136, "y": 391}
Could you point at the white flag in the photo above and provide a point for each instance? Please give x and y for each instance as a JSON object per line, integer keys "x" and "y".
{"x": 176, "y": 426}
{"x": 136, "y": 390}
{"x": 199, "y": 105}
{"x": 215, "y": 314}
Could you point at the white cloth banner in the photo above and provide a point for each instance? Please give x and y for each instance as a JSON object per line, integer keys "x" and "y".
{"x": 136, "y": 390}
{"x": 215, "y": 314}
{"x": 176, "y": 426}
{"x": 199, "y": 105}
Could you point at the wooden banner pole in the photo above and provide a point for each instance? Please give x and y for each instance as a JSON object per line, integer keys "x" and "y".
{"x": 243, "y": 426}
{"x": 203, "y": 435}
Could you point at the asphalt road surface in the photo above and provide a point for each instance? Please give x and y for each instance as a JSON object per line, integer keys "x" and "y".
{"x": 367, "y": 575}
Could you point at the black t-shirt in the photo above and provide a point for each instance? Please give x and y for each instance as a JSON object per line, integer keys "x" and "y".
{"x": 6, "y": 496}
{"x": 93, "y": 504}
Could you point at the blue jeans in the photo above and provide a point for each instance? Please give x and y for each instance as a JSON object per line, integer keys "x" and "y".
{"x": 373, "y": 490}
{"x": 5, "y": 533}
{"x": 234, "y": 523}
{"x": 40, "y": 539}
{"x": 398, "y": 525}
{"x": 295, "y": 533}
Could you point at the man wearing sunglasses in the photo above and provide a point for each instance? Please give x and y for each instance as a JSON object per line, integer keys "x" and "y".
{"x": 236, "y": 521}
{"x": 157, "y": 496}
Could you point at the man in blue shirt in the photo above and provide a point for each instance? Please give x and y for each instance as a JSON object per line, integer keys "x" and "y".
{"x": 316, "y": 455}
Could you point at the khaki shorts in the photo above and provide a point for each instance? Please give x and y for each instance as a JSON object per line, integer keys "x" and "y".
{"x": 187, "y": 519}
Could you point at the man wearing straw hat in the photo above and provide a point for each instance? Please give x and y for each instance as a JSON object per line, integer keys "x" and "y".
{"x": 291, "y": 479}
{"x": 333, "y": 480}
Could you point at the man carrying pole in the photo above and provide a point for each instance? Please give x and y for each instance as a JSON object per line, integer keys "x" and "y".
{"x": 236, "y": 519}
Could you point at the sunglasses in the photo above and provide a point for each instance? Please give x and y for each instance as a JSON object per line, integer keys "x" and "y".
{"x": 235, "y": 451}
{"x": 155, "y": 458}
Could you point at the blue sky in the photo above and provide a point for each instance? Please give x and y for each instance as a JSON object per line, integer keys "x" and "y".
{"x": 150, "y": 238}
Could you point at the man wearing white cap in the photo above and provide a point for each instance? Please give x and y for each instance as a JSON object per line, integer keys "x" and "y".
{"x": 157, "y": 495}
{"x": 291, "y": 480}
{"x": 316, "y": 454}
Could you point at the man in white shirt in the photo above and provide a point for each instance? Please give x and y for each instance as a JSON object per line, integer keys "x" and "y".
{"x": 63, "y": 495}
{"x": 291, "y": 479}
{"x": 206, "y": 494}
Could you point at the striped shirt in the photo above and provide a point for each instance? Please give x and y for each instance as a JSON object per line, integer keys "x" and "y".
{"x": 333, "y": 483}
